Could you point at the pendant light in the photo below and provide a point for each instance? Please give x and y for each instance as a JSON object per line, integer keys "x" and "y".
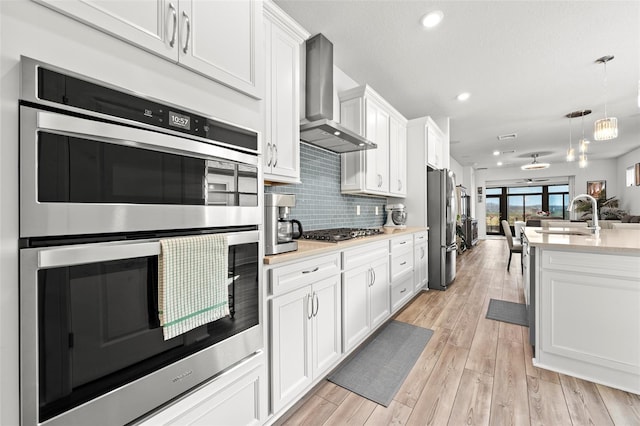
{"x": 606, "y": 128}
{"x": 584, "y": 143}
{"x": 571, "y": 153}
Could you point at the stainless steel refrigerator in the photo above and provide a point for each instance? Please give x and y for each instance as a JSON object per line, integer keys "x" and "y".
{"x": 441, "y": 219}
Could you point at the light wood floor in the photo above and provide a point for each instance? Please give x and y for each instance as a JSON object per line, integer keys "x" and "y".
{"x": 474, "y": 371}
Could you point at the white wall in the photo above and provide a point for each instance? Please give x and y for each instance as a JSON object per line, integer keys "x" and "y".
{"x": 596, "y": 170}
{"x": 27, "y": 28}
{"x": 629, "y": 195}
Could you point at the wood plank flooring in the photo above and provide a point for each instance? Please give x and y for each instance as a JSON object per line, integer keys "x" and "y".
{"x": 474, "y": 371}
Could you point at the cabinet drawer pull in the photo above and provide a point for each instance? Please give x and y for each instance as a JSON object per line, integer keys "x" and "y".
{"x": 403, "y": 290}
{"x": 313, "y": 270}
{"x": 403, "y": 242}
{"x": 403, "y": 263}
{"x": 275, "y": 155}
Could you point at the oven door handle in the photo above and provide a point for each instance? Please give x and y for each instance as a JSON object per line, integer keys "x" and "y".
{"x": 104, "y": 252}
{"x": 138, "y": 138}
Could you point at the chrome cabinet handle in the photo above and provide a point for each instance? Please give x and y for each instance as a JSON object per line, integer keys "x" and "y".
{"x": 269, "y": 155}
{"x": 370, "y": 272}
{"x": 313, "y": 270}
{"x": 403, "y": 242}
{"x": 399, "y": 185}
{"x": 379, "y": 180}
{"x": 174, "y": 32}
{"x": 317, "y": 304}
{"x": 275, "y": 148}
{"x": 403, "y": 290}
{"x": 373, "y": 271}
{"x": 185, "y": 49}
{"x": 422, "y": 253}
{"x": 403, "y": 263}
{"x": 309, "y": 306}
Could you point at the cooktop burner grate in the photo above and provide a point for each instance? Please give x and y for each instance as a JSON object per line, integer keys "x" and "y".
{"x": 335, "y": 235}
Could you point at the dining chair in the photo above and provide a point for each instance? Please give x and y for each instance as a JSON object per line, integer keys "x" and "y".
{"x": 514, "y": 246}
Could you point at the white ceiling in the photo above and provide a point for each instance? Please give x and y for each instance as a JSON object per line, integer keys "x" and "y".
{"x": 526, "y": 64}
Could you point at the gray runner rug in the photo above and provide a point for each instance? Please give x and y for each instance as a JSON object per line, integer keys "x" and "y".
{"x": 377, "y": 371}
{"x": 514, "y": 313}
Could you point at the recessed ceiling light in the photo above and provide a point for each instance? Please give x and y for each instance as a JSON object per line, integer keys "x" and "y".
{"x": 496, "y": 152}
{"x": 463, "y": 96}
{"x": 499, "y": 163}
{"x": 432, "y": 19}
{"x": 337, "y": 133}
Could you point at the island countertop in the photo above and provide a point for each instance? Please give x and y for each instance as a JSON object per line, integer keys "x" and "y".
{"x": 624, "y": 241}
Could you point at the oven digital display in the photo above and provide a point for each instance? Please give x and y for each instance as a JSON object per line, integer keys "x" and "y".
{"x": 179, "y": 120}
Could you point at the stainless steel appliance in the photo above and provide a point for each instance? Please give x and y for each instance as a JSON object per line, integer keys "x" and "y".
{"x": 334, "y": 235}
{"x": 104, "y": 175}
{"x": 279, "y": 233}
{"x": 396, "y": 216}
{"x": 441, "y": 218}
{"x": 319, "y": 128}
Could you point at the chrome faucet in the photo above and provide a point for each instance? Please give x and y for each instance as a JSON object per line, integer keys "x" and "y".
{"x": 594, "y": 208}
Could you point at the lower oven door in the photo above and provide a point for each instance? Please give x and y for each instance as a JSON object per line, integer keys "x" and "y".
{"x": 92, "y": 350}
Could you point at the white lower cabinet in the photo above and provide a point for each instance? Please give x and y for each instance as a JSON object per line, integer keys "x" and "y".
{"x": 421, "y": 265}
{"x": 236, "y": 397}
{"x": 305, "y": 328}
{"x": 365, "y": 291}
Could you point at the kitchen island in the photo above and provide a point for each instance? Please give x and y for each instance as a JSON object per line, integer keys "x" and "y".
{"x": 585, "y": 292}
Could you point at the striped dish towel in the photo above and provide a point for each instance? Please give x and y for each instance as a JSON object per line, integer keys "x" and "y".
{"x": 192, "y": 282}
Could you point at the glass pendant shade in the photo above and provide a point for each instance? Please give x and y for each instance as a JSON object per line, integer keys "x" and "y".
{"x": 582, "y": 163}
{"x": 584, "y": 146}
{"x": 571, "y": 155}
{"x": 606, "y": 129}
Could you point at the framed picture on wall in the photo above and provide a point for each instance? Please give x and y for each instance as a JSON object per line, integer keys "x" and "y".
{"x": 630, "y": 179}
{"x": 597, "y": 188}
{"x": 637, "y": 174}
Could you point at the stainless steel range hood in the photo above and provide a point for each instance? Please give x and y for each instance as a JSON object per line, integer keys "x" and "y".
{"x": 321, "y": 130}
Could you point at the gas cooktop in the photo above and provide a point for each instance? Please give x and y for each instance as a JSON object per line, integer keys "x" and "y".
{"x": 335, "y": 235}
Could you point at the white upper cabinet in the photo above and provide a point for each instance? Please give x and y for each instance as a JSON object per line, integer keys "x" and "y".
{"x": 435, "y": 141}
{"x": 281, "y": 149}
{"x": 222, "y": 39}
{"x": 397, "y": 156}
{"x": 219, "y": 39}
{"x": 368, "y": 114}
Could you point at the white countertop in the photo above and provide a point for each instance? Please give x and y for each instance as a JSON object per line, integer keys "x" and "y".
{"x": 313, "y": 248}
{"x": 626, "y": 241}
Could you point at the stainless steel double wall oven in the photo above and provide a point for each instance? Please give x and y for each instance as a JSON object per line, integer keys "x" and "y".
{"x": 104, "y": 175}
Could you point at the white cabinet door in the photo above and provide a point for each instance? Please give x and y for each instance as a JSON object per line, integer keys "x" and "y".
{"x": 221, "y": 39}
{"x": 355, "y": 303}
{"x": 397, "y": 157}
{"x": 150, "y": 24}
{"x": 435, "y": 140}
{"x": 377, "y": 163}
{"x": 380, "y": 292}
{"x": 327, "y": 324}
{"x": 290, "y": 345}
{"x": 282, "y": 140}
{"x": 421, "y": 263}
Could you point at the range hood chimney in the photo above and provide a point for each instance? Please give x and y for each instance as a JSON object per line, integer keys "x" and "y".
{"x": 321, "y": 130}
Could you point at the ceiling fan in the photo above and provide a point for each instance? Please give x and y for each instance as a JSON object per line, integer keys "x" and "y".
{"x": 530, "y": 181}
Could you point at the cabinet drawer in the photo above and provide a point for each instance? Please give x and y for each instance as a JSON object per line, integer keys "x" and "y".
{"x": 364, "y": 254}
{"x": 420, "y": 238}
{"x": 401, "y": 292}
{"x": 236, "y": 397}
{"x": 290, "y": 277}
{"x": 616, "y": 265}
{"x": 401, "y": 264}
{"x": 402, "y": 243}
